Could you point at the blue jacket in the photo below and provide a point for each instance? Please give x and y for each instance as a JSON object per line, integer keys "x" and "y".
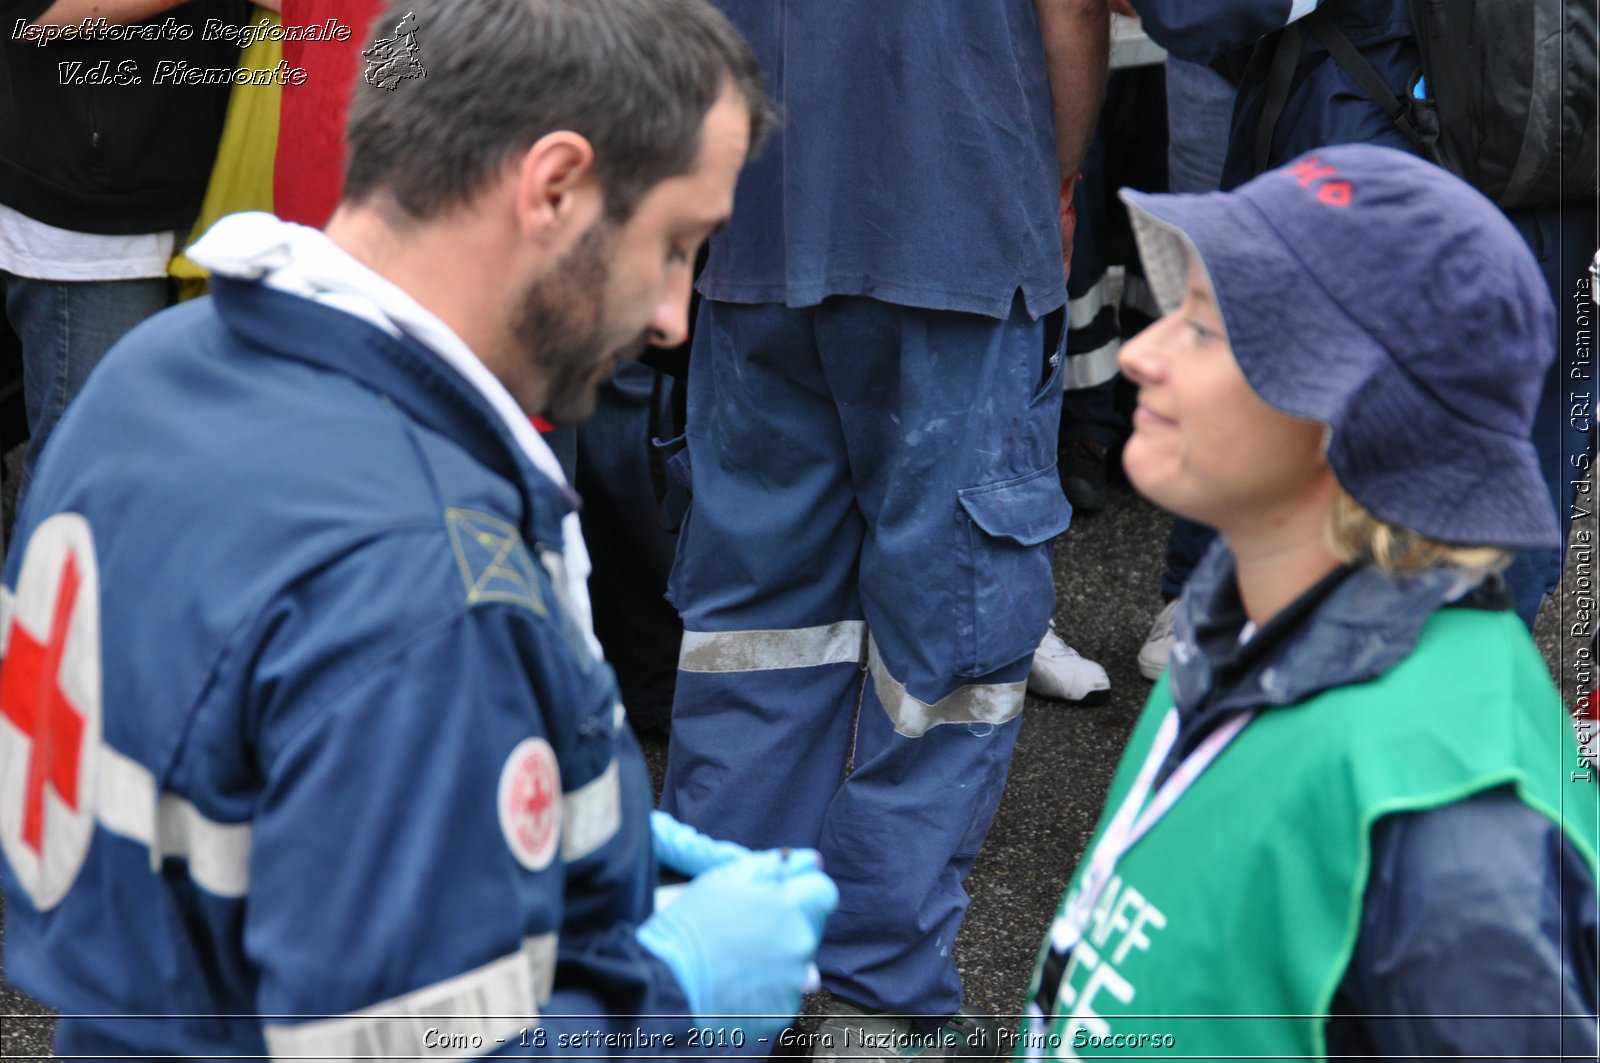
{"x": 1482, "y": 907}
{"x": 344, "y": 751}
{"x": 1324, "y": 106}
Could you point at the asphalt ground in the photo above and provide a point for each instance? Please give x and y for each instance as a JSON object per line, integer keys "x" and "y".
{"x": 1106, "y": 573}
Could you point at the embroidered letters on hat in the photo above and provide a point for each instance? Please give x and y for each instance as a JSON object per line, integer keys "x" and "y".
{"x": 1311, "y": 172}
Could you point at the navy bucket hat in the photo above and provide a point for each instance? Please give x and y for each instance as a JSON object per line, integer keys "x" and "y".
{"x": 1383, "y": 297}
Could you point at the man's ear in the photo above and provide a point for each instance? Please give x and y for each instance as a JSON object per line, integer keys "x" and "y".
{"x": 558, "y": 193}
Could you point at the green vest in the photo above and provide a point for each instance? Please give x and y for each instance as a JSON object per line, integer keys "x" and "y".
{"x": 1227, "y": 928}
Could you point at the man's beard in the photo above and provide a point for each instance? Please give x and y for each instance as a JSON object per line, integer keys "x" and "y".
{"x": 563, "y": 325}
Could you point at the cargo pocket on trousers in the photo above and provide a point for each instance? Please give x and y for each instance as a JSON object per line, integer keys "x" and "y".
{"x": 1009, "y": 528}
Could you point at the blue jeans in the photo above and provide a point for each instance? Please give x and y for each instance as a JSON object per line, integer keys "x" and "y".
{"x": 1199, "y": 113}
{"x": 66, "y": 327}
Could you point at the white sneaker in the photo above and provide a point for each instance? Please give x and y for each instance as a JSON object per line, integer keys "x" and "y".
{"x": 1061, "y": 673}
{"x": 1158, "y": 644}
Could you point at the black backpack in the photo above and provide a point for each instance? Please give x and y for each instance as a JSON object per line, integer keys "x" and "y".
{"x": 1511, "y": 93}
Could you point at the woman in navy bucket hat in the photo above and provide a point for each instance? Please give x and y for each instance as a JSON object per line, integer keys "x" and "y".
{"x": 1353, "y": 819}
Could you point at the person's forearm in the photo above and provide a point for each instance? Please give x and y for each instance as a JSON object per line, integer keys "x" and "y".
{"x": 1077, "y": 44}
{"x": 116, "y": 12}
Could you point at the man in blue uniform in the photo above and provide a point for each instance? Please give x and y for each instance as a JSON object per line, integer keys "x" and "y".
{"x": 873, "y": 401}
{"x": 305, "y": 748}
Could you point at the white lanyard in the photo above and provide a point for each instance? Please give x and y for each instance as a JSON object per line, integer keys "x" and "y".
{"x": 1134, "y": 818}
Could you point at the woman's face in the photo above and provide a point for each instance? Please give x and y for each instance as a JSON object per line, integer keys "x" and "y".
{"x": 1204, "y": 445}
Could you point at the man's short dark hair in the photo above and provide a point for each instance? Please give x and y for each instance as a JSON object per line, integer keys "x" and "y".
{"x": 635, "y": 77}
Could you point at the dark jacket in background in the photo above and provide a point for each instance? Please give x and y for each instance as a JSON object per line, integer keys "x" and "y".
{"x": 116, "y": 158}
{"x": 1325, "y": 106}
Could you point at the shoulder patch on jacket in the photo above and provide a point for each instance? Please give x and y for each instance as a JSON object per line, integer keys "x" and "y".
{"x": 495, "y": 566}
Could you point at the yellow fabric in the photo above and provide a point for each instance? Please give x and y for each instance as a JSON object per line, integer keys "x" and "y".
{"x": 241, "y": 178}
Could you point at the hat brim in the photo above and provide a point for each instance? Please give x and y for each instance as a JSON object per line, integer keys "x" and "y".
{"x": 1452, "y": 480}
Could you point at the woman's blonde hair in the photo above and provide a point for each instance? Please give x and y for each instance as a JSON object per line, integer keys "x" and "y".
{"x": 1356, "y": 535}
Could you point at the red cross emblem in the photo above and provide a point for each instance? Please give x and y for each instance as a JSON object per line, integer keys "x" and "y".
{"x": 50, "y": 709}
{"x": 530, "y": 803}
{"x": 31, "y": 698}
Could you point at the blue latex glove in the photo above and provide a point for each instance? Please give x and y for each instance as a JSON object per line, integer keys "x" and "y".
{"x": 741, "y": 936}
{"x": 687, "y": 851}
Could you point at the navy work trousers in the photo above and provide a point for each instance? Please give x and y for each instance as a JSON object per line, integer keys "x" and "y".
{"x": 864, "y": 575}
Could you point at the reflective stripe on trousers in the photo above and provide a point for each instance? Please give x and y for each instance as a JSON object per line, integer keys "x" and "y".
{"x": 841, "y": 643}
